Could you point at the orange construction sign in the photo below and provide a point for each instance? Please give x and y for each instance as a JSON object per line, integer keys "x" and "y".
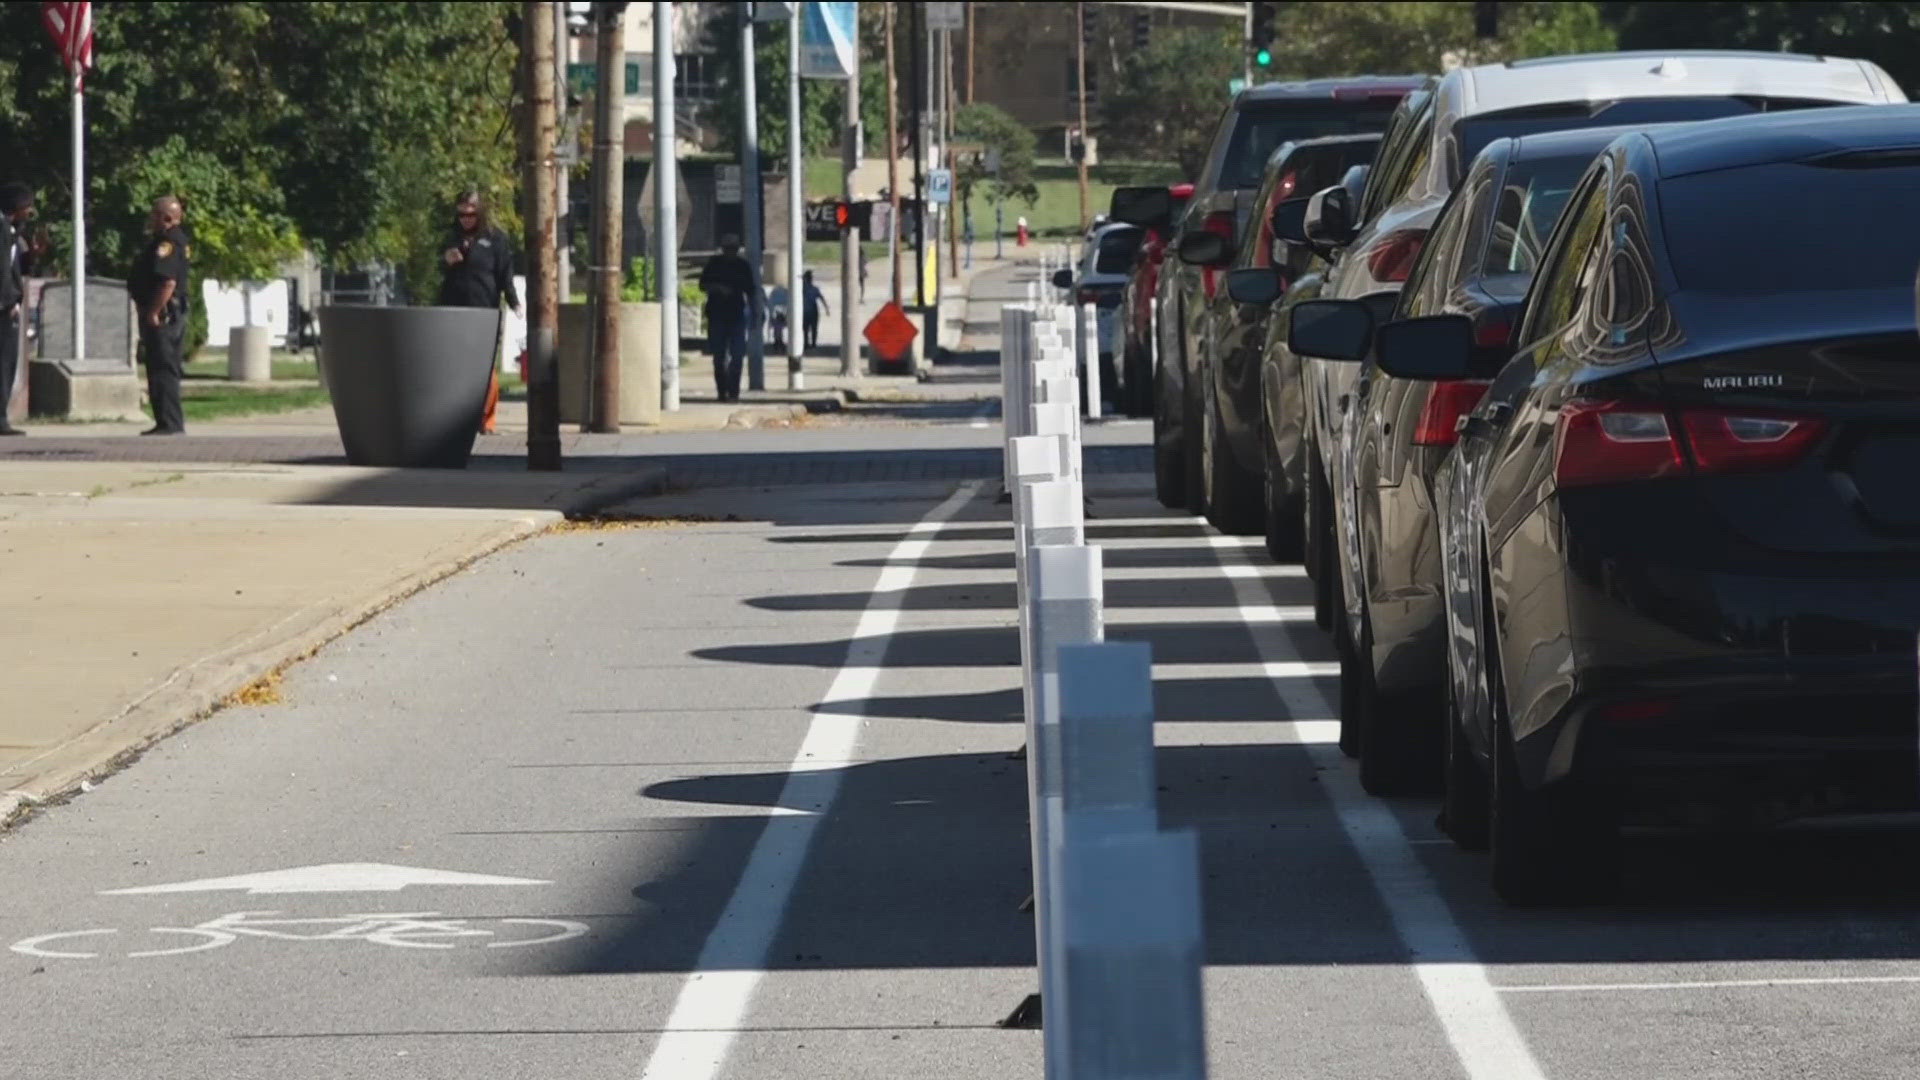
{"x": 891, "y": 333}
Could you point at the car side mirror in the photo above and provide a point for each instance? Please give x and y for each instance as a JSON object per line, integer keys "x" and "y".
{"x": 1063, "y": 279}
{"x": 1428, "y": 348}
{"x": 1289, "y": 220}
{"x": 1329, "y": 218}
{"x": 1204, "y": 249}
{"x": 1254, "y": 285}
{"x": 1148, "y": 207}
{"x": 1331, "y": 329}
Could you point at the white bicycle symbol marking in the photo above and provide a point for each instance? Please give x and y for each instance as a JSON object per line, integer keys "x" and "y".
{"x": 401, "y": 930}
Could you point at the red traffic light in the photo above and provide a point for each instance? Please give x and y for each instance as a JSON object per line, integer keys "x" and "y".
{"x": 842, "y": 215}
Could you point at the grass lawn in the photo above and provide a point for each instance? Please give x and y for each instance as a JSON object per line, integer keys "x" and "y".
{"x": 208, "y": 400}
{"x": 211, "y": 363}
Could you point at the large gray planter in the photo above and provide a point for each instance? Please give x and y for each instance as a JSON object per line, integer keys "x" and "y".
{"x": 408, "y": 383}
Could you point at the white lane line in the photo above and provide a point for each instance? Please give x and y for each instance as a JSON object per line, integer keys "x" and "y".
{"x": 984, "y": 418}
{"x": 1465, "y": 1001}
{"x": 714, "y": 999}
{"x": 1718, "y": 984}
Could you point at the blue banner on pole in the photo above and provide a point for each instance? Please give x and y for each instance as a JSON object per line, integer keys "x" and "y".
{"x": 829, "y": 33}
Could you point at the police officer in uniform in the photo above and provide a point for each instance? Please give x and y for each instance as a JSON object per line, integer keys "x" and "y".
{"x": 478, "y": 272}
{"x": 17, "y": 254}
{"x": 158, "y": 286}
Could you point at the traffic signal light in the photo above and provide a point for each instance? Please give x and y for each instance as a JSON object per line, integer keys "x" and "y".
{"x": 1260, "y": 34}
{"x": 852, "y": 215}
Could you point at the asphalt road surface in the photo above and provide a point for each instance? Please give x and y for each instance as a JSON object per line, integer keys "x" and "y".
{"x": 725, "y": 792}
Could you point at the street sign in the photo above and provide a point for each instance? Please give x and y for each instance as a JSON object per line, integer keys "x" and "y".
{"x": 726, "y": 186}
{"x": 946, "y": 16}
{"x": 940, "y": 186}
{"x": 772, "y": 12}
{"x": 891, "y": 333}
{"x": 683, "y": 200}
{"x": 828, "y": 34}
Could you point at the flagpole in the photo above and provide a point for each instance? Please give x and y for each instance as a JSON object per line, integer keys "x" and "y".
{"x": 79, "y": 221}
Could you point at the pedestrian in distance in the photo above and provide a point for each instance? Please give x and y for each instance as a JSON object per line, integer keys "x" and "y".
{"x": 477, "y": 272}
{"x": 158, "y": 287}
{"x": 777, "y": 315}
{"x": 732, "y": 298}
{"x": 21, "y": 252}
{"x": 812, "y": 300}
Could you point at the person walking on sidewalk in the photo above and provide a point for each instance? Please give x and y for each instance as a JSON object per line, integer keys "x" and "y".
{"x": 477, "y": 272}
{"x": 158, "y": 286}
{"x": 812, "y": 301}
{"x": 732, "y": 299}
{"x": 16, "y": 210}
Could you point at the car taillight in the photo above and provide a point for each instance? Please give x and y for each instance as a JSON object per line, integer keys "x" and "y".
{"x": 1219, "y": 223}
{"x": 1612, "y": 442}
{"x": 1492, "y": 333}
{"x": 1086, "y": 296}
{"x": 1447, "y": 401}
{"x": 1393, "y": 259}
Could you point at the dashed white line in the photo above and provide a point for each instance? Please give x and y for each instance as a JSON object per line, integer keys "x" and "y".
{"x": 1709, "y": 984}
{"x": 1466, "y": 1002}
{"x": 706, "y": 1016}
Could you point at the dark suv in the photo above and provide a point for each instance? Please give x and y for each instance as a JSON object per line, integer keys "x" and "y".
{"x": 1254, "y": 125}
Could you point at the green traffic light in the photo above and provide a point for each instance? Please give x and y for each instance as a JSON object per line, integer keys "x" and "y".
{"x": 1263, "y": 57}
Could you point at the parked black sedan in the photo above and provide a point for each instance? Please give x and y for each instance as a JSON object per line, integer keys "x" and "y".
{"x": 1478, "y": 262}
{"x": 1233, "y": 327}
{"x": 1681, "y": 533}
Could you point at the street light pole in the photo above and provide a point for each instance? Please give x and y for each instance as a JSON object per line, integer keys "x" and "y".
{"x": 609, "y": 141}
{"x": 1080, "y": 70}
{"x": 666, "y": 213}
{"x": 750, "y": 198}
{"x": 796, "y": 212}
{"x": 850, "y": 240}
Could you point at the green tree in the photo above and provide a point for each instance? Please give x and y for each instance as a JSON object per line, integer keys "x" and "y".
{"x": 1886, "y": 33}
{"x": 1010, "y": 140}
{"x": 1331, "y": 40}
{"x": 1170, "y": 94}
{"x": 823, "y": 102}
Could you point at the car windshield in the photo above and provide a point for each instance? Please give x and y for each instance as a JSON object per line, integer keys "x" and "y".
{"x": 1853, "y": 225}
{"x": 1476, "y": 132}
{"x": 1261, "y": 128}
{"x": 1116, "y": 249}
{"x": 1530, "y": 202}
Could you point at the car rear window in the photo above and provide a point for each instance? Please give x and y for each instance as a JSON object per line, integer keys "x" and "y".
{"x": 1475, "y": 132}
{"x": 1841, "y": 224}
{"x": 1531, "y": 198}
{"x": 1260, "y": 128}
{"x": 1116, "y": 251}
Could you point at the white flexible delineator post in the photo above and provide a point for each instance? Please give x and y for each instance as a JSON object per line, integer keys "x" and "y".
{"x": 1087, "y": 335}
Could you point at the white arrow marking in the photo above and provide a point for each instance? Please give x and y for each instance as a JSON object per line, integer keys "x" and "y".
{"x": 328, "y": 878}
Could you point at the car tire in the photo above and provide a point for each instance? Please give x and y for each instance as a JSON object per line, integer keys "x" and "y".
{"x": 1235, "y": 498}
{"x": 1319, "y": 544}
{"x": 1353, "y": 730}
{"x": 1282, "y": 521}
{"x": 1466, "y": 805}
{"x": 1193, "y": 475}
{"x": 1553, "y": 846}
{"x": 1169, "y": 467}
{"x": 1136, "y": 394}
{"x": 1398, "y": 754}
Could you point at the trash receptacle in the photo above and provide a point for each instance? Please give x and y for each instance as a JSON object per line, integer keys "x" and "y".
{"x": 408, "y": 383}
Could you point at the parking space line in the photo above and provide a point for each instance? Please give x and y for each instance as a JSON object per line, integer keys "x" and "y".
{"x": 707, "y": 1013}
{"x": 1710, "y": 984}
{"x": 1464, "y": 1000}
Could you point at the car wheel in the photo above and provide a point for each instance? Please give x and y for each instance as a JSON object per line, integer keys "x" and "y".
{"x": 1319, "y": 543}
{"x": 1193, "y": 476}
{"x": 1553, "y": 846}
{"x": 1399, "y": 754}
{"x": 1169, "y": 469}
{"x": 1282, "y": 524}
{"x": 1353, "y": 731}
{"x": 1466, "y": 806}
{"x": 1234, "y": 496}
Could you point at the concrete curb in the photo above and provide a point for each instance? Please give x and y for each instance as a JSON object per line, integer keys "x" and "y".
{"x": 204, "y": 687}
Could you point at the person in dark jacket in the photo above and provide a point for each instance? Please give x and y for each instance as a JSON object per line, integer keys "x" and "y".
{"x": 732, "y": 298}
{"x": 158, "y": 286}
{"x": 17, "y": 255}
{"x": 478, "y": 272}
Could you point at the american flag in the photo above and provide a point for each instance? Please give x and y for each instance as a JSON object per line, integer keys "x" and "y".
{"x": 72, "y": 28}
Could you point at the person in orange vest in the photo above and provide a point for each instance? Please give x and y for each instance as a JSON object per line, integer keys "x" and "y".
{"x": 1020, "y": 232}
{"x": 478, "y": 272}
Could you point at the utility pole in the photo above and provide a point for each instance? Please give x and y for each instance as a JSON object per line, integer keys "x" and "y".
{"x": 1080, "y": 70}
{"x": 889, "y": 21}
{"x": 563, "y": 46}
{"x": 947, "y": 97}
{"x": 972, "y": 24}
{"x": 666, "y": 212}
{"x": 609, "y": 142}
{"x": 917, "y": 31}
{"x": 850, "y": 240}
{"x": 750, "y": 198}
{"x": 543, "y": 310}
{"x": 796, "y": 212}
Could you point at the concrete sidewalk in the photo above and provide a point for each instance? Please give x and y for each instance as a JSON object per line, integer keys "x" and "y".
{"x": 139, "y": 597}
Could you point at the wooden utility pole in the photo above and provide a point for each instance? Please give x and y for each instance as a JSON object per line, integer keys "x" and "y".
{"x": 540, "y": 187}
{"x": 1080, "y": 68}
{"x": 850, "y": 241}
{"x": 971, "y": 24}
{"x": 890, "y": 21}
{"x": 609, "y": 142}
{"x": 950, "y": 98}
